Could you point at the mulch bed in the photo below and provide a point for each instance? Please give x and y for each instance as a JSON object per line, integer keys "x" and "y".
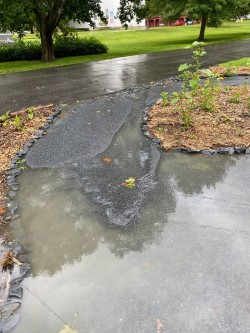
{"x": 13, "y": 139}
{"x": 231, "y": 70}
{"x": 227, "y": 126}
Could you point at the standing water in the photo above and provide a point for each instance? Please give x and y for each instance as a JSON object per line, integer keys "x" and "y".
{"x": 168, "y": 255}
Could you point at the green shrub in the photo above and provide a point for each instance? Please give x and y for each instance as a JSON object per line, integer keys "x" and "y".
{"x": 75, "y": 46}
{"x": 20, "y": 51}
{"x": 63, "y": 46}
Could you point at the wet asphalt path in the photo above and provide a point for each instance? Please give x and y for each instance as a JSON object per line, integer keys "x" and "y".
{"x": 79, "y": 82}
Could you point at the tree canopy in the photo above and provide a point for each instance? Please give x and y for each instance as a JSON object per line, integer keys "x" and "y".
{"x": 210, "y": 12}
{"x": 47, "y": 14}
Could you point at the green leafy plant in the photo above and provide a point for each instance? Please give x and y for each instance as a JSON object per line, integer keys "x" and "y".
{"x": 165, "y": 98}
{"x": 31, "y": 112}
{"x": 63, "y": 46}
{"x": 209, "y": 91}
{"x": 190, "y": 72}
{"x": 130, "y": 182}
{"x": 190, "y": 86}
{"x": 18, "y": 123}
{"x": 194, "y": 94}
{"x": 184, "y": 107}
{"x": 20, "y": 163}
{"x": 5, "y": 118}
{"x": 161, "y": 129}
{"x": 236, "y": 98}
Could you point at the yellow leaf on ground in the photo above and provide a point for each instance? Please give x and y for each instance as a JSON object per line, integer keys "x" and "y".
{"x": 67, "y": 329}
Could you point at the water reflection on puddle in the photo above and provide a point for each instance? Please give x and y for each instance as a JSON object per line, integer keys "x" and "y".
{"x": 174, "y": 249}
{"x": 122, "y": 279}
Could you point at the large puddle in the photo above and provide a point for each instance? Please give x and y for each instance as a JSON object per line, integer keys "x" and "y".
{"x": 108, "y": 259}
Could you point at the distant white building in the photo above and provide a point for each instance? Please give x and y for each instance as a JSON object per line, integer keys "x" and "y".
{"x": 109, "y": 7}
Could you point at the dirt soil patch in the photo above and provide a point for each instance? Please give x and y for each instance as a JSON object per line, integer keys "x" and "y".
{"x": 227, "y": 126}
{"x": 15, "y": 131}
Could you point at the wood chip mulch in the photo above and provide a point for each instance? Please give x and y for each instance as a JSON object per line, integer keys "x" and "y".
{"x": 13, "y": 139}
{"x": 231, "y": 70}
{"x": 227, "y": 126}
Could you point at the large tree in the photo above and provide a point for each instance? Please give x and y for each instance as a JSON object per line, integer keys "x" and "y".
{"x": 210, "y": 12}
{"x": 16, "y": 14}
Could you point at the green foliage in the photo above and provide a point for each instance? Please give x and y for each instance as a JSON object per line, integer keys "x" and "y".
{"x": 129, "y": 183}
{"x": 5, "y": 118}
{"x": 46, "y": 15}
{"x": 190, "y": 72}
{"x": 238, "y": 62}
{"x": 209, "y": 92}
{"x": 130, "y": 9}
{"x": 165, "y": 98}
{"x": 186, "y": 100}
{"x": 75, "y": 46}
{"x": 20, "y": 163}
{"x": 30, "y": 112}
{"x": 161, "y": 129}
{"x": 64, "y": 47}
{"x": 229, "y": 71}
{"x": 18, "y": 123}
{"x": 236, "y": 98}
{"x": 20, "y": 51}
{"x": 211, "y": 12}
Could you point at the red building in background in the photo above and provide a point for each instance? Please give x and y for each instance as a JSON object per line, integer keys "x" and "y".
{"x": 156, "y": 21}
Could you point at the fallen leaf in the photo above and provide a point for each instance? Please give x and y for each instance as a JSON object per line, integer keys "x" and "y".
{"x": 159, "y": 326}
{"x": 67, "y": 329}
{"x": 129, "y": 183}
{"x": 8, "y": 261}
{"x": 2, "y": 211}
{"x": 107, "y": 159}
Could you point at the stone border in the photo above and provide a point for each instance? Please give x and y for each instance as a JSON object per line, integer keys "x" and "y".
{"x": 221, "y": 150}
{"x": 12, "y": 216}
{"x": 15, "y": 168}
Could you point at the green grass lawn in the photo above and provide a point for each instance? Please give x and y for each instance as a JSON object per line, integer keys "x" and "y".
{"x": 123, "y": 43}
{"x": 237, "y": 63}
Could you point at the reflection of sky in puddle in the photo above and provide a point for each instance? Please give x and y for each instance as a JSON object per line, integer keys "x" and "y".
{"x": 61, "y": 224}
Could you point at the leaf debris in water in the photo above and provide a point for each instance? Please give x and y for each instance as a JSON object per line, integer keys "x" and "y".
{"x": 107, "y": 159}
{"x": 67, "y": 329}
{"x": 129, "y": 183}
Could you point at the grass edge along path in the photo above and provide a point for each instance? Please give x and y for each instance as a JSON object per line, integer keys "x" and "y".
{"x": 122, "y": 43}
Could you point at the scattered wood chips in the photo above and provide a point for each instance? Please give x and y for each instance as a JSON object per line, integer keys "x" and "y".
{"x": 230, "y": 70}
{"x": 13, "y": 139}
{"x": 227, "y": 126}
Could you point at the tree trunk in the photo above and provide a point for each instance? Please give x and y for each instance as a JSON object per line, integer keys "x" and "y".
{"x": 31, "y": 26}
{"x": 203, "y": 27}
{"x": 47, "y": 45}
{"x": 147, "y": 23}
